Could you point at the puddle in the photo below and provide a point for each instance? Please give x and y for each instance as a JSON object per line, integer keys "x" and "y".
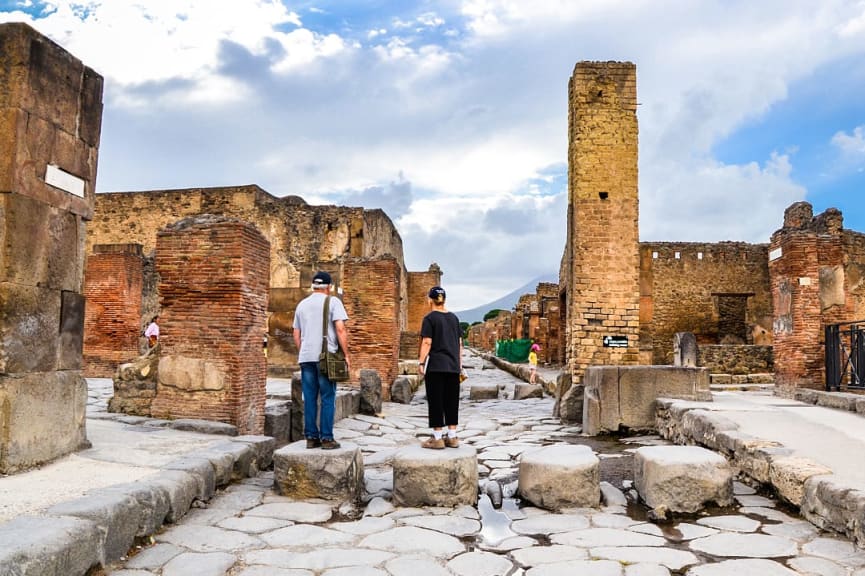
{"x": 496, "y": 524}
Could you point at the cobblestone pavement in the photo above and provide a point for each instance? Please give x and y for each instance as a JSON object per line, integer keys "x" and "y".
{"x": 249, "y": 530}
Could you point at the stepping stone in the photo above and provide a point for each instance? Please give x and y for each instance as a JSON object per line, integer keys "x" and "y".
{"x": 682, "y": 478}
{"x": 483, "y": 392}
{"x": 523, "y": 391}
{"x": 302, "y": 474}
{"x": 560, "y": 476}
{"x": 424, "y": 477}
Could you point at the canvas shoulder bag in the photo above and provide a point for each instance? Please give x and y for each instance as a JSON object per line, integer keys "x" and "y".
{"x": 331, "y": 364}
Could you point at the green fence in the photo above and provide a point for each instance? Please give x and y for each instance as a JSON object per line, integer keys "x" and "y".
{"x": 514, "y": 350}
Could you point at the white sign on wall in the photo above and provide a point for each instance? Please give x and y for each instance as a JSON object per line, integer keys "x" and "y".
{"x": 59, "y": 178}
{"x": 775, "y": 254}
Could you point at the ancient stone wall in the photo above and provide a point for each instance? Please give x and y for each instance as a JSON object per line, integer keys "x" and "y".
{"x": 213, "y": 291}
{"x": 743, "y": 359}
{"x": 114, "y": 281}
{"x": 602, "y": 250}
{"x": 717, "y": 291}
{"x": 302, "y": 238}
{"x": 371, "y": 294}
{"x": 419, "y": 284}
{"x": 50, "y": 122}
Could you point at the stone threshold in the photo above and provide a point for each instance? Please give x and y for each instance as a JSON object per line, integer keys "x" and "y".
{"x": 821, "y": 497}
{"x": 846, "y": 401}
{"x": 73, "y": 537}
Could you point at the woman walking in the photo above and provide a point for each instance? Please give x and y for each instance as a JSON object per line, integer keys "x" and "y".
{"x": 440, "y": 365}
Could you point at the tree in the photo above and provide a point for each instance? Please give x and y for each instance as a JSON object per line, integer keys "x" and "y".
{"x": 492, "y": 314}
{"x": 464, "y": 329}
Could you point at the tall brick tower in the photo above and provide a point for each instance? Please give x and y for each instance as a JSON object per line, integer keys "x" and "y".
{"x": 602, "y": 253}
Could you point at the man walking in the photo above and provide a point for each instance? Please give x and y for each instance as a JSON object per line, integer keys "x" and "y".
{"x": 308, "y": 320}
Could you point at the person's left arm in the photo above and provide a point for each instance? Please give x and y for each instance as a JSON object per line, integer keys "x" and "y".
{"x": 342, "y": 338}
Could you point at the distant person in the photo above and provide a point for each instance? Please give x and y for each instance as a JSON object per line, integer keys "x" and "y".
{"x": 152, "y": 332}
{"x": 440, "y": 362}
{"x": 308, "y": 320}
{"x": 533, "y": 363}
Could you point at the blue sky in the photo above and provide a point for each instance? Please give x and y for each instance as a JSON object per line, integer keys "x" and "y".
{"x": 452, "y": 115}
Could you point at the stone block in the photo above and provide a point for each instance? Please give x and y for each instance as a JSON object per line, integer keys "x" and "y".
{"x": 328, "y": 474}
{"x": 201, "y": 470}
{"x": 788, "y": 475}
{"x": 761, "y": 378}
{"x": 28, "y": 315}
{"x": 370, "y": 392}
{"x": 181, "y": 488}
{"x": 523, "y": 391}
{"x": 838, "y": 400}
{"x": 682, "y": 478}
{"x": 721, "y": 378}
{"x": 153, "y": 502}
{"x": 408, "y": 367}
{"x": 46, "y": 546}
{"x": 483, "y": 392}
{"x": 43, "y": 418}
{"x": 560, "y": 476}
{"x": 834, "y": 505}
{"x": 401, "y": 391}
{"x": 423, "y": 477}
{"x": 262, "y": 446}
{"x": 277, "y": 422}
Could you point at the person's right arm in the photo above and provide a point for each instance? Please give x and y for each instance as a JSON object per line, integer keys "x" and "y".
{"x": 425, "y": 345}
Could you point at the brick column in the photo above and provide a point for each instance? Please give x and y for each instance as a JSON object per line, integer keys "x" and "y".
{"x": 50, "y": 118}
{"x": 602, "y": 252}
{"x": 214, "y": 274}
{"x": 113, "y": 286}
{"x": 371, "y": 297}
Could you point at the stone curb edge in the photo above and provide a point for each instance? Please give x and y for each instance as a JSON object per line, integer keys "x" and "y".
{"x": 521, "y": 371}
{"x": 813, "y": 488}
{"x": 838, "y": 400}
{"x": 70, "y": 538}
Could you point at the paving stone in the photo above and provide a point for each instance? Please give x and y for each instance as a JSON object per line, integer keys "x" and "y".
{"x": 673, "y": 559}
{"x": 435, "y": 477}
{"x": 301, "y": 512}
{"x": 237, "y": 499}
{"x": 799, "y": 530}
{"x": 560, "y": 476}
{"x": 253, "y": 524}
{"x": 646, "y": 569}
{"x": 318, "y": 560}
{"x": 355, "y": 571}
{"x": 208, "y": 539}
{"x": 730, "y": 523}
{"x": 130, "y": 573}
{"x": 687, "y": 531}
{"x": 574, "y": 567}
{"x": 154, "y": 557}
{"x": 816, "y": 566}
{"x": 208, "y": 516}
{"x": 767, "y": 513}
{"x": 840, "y": 551}
{"x": 745, "y": 545}
{"x": 207, "y": 564}
{"x": 602, "y": 537}
{"x": 271, "y": 571}
{"x": 550, "y": 523}
{"x": 458, "y": 527}
{"x": 533, "y": 556}
{"x": 413, "y": 540}
{"x": 480, "y": 564}
{"x": 364, "y": 526}
{"x": 378, "y": 507}
{"x": 740, "y": 489}
{"x": 741, "y": 567}
{"x": 605, "y": 520}
{"x": 612, "y": 496}
{"x": 416, "y": 566}
{"x": 750, "y": 500}
{"x": 306, "y": 536}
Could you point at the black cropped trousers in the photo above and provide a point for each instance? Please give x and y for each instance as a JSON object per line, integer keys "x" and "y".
{"x": 443, "y": 398}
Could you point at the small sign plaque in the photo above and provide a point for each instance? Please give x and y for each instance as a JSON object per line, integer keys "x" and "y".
{"x": 67, "y": 182}
{"x": 775, "y": 254}
{"x": 615, "y": 341}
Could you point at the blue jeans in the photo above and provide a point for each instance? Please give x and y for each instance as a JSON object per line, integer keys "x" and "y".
{"x": 316, "y": 384}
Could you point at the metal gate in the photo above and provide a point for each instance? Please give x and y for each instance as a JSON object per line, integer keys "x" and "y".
{"x": 845, "y": 356}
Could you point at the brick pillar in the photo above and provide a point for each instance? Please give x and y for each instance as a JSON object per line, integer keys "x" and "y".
{"x": 113, "y": 286}
{"x": 214, "y": 274}
{"x": 602, "y": 252}
{"x": 371, "y": 293}
{"x": 50, "y": 116}
{"x": 806, "y": 273}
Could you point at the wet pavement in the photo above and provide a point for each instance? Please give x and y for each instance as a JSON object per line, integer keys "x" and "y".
{"x": 249, "y": 530}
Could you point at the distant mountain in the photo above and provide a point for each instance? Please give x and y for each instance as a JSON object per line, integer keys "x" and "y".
{"x": 506, "y": 302}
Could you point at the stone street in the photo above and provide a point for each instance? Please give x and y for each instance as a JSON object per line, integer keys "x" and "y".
{"x": 249, "y": 530}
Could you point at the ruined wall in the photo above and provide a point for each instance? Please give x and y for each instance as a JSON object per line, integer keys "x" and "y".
{"x": 854, "y": 272}
{"x": 371, "y": 295}
{"x": 602, "y": 249}
{"x": 114, "y": 280}
{"x": 302, "y": 238}
{"x": 744, "y": 359}
{"x": 417, "y": 292}
{"x": 809, "y": 288}
{"x": 715, "y": 290}
{"x": 213, "y": 290}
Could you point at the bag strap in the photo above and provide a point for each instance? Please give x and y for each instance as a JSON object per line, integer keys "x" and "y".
{"x": 324, "y": 326}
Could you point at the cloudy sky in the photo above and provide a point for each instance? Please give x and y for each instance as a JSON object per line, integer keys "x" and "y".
{"x": 451, "y": 115}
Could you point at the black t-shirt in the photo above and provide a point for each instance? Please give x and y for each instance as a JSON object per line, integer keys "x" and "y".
{"x": 444, "y": 329}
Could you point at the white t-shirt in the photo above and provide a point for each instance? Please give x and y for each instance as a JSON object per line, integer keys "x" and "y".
{"x": 307, "y": 318}
{"x": 152, "y": 330}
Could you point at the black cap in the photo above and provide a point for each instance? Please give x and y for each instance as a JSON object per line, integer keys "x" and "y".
{"x": 437, "y": 292}
{"x": 321, "y": 279}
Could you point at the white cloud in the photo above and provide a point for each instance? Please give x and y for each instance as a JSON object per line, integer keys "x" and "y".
{"x": 851, "y": 145}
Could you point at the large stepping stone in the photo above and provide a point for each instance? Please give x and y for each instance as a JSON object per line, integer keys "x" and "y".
{"x": 302, "y": 473}
{"x": 560, "y": 476}
{"x": 424, "y": 477}
{"x": 523, "y": 391}
{"x": 682, "y": 478}
{"x": 483, "y": 392}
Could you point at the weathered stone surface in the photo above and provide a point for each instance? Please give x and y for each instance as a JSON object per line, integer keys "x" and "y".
{"x": 181, "y": 489}
{"x": 606, "y": 537}
{"x": 745, "y": 546}
{"x": 832, "y": 505}
{"x": 480, "y": 564}
{"x": 550, "y": 523}
{"x": 446, "y": 477}
{"x": 744, "y": 567}
{"x": 153, "y": 504}
{"x": 459, "y": 527}
{"x": 370, "y": 392}
{"x": 199, "y": 468}
{"x": 523, "y": 391}
{"x": 135, "y": 385}
{"x": 588, "y": 567}
{"x": 306, "y": 512}
{"x": 277, "y": 422}
{"x": 43, "y": 417}
{"x": 262, "y": 447}
{"x": 204, "y": 426}
{"x": 560, "y": 476}
{"x": 730, "y": 523}
{"x": 154, "y": 557}
{"x": 788, "y": 475}
{"x": 329, "y": 474}
{"x": 483, "y": 392}
{"x": 401, "y": 390}
{"x": 570, "y": 403}
{"x": 412, "y": 540}
{"x": 200, "y": 564}
{"x": 682, "y": 478}
{"x": 319, "y": 560}
{"x": 49, "y": 546}
{"x": 208, "y": 539}
{"x": 672, "y": 559}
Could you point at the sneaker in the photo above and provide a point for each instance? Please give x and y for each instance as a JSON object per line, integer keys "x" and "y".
{"x": 433, "y": 443}
{"x": 313, "y": 443}
{"x": 452, "y": 442}
{"x": 329, "y": 444}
